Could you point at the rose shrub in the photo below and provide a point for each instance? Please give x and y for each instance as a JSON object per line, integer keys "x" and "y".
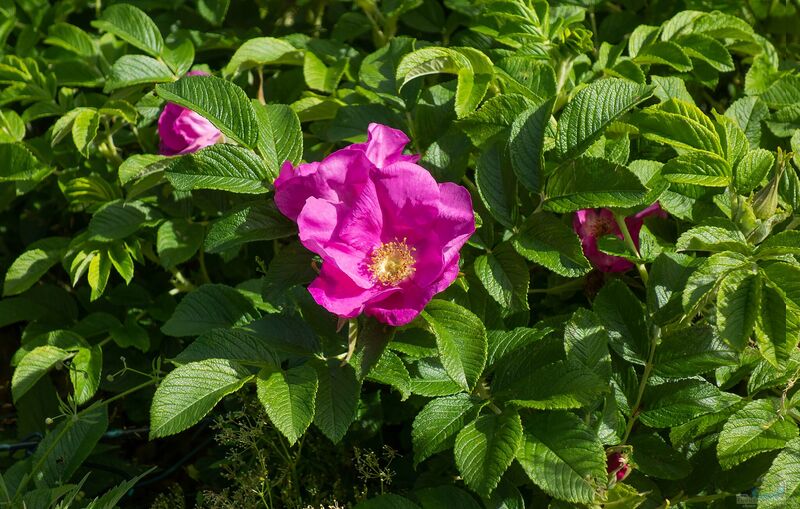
{"x": 410, "y": 254}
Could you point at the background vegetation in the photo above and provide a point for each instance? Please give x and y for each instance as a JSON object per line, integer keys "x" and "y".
{"x": 160, "y": 348}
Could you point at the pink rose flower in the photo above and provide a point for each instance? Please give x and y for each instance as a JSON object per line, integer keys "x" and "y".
{"x": 183, "y": 131}
{"x": 591, "y": 224}
{"x": 617, "y": 464}
{"x": 388, "y": 234}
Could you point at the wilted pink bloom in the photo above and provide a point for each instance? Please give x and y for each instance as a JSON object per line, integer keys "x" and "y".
{"x": 182, "y": 130}
{"x": 388, "y": 234}
{"x": 591, "y": 224}
{"x": 617, "y": 464}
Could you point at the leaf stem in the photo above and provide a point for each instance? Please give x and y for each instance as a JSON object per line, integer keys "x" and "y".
{"x": 648, "y": 370}
{"x": 569, "y": 285}
{"x": 626, "y": 234}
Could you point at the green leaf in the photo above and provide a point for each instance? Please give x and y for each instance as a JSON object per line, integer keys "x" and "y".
{"x": 337, "y": 398}
{"x": 461, "y": 340}
{"x": 34, "y": 366}
{"x": 63, "y": 449}
{"x": 370, "y": 344}
{"x": 783, "y": 92}
{"x": 562, "y": 456}
{"x": 34, "y": 263}
{"x": 250, "y": 221}
{"x": 485, "y": 448}
{"x": 748, "y": 113}
{"x": 280, "y": 138}
{"x": 590, "y": 183}
{"x": 714, "y": 235}
{"x": 783, "y": 243}
{"x": 587, "y": 115}
{"x": 494, "y": 118}
{"x": 179, "y": 56}
{"x": 117, "y": 220}
{"x": 131, "y": 70}
{"x": 664, "y": 53}
{"x": 437, "y": 424}
{"x": 678, "y": 129}
{"x": 570, "y": 385}
{"x": 221, "y": 102}
{"x": 387, "y": 501}
{"x": 288, "y": 397}
{"x": 691, "y": 351}
{"x": 431, "y": 379}
{"x": 84, "y": 373}
{"x": 239, "y": 345}
{"x": 377, "y": 70}
{"x": 622, "y": 315}
{"x": 777, "y": 324}
{"x": 177, "y": 241}
{"x": 698, "y": 168}
{"x": 752, "y": 170}
{"x": 758, "y": 427}
{"x": 286, "y": 334}
{"x": 99, "y": 271}
{"x": 732, "y": 138}
{"x": 130, "y": 334}
{"x": 473, "y": 68}
{"x": 111, "y": 498}
{"x": 496, "y": 185}
{"x": 445, "y": 496}
{"x": 19, "y": 163}
{"x": 262, "y": 51}
{"x": 707, "y": 49}
{"x": 121, "y": 260}
{"x": 323, "y": 75}
{"x": 70, "y": 38}
{"x": 546, "y": 240}
{"x": 780, "y": 488}
{"x": 702, "y": 282}
{"x": 526, "y": 145}
{"x": 390, "y": 370}
{"x": 209, "y": 307}
{"x": 133, "y": 26}
{"x": 84, "y": 129}
{"x": 586, "y": 342}
{"x": 190, "y": 391}
{"x": 668, "y": 277}
{"x": 738, "y": 302}
{"x": 677, "y": 402}
{"x": 213, "y": 11}
{"x": 654, "y": 457}
{"x": 12, "y": 127}
{"x": 505, "y": 276}
{"x": 223, "y": 167}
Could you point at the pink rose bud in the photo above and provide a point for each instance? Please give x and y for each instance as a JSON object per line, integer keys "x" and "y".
{"x": 183, "y": 131}
{"x": 591, "y": 224}
{"x": 617, "y": 464}
{"x": 388, "y": 234}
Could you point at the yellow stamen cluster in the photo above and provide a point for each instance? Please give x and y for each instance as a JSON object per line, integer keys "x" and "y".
{"x": 392, "y": 263}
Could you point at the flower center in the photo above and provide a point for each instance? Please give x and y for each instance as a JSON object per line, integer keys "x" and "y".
{"x": 392, "y": 263}
{"x": 601, "y": 225}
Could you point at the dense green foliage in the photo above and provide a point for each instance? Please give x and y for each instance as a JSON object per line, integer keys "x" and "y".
{"x": 153, "y": 303}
